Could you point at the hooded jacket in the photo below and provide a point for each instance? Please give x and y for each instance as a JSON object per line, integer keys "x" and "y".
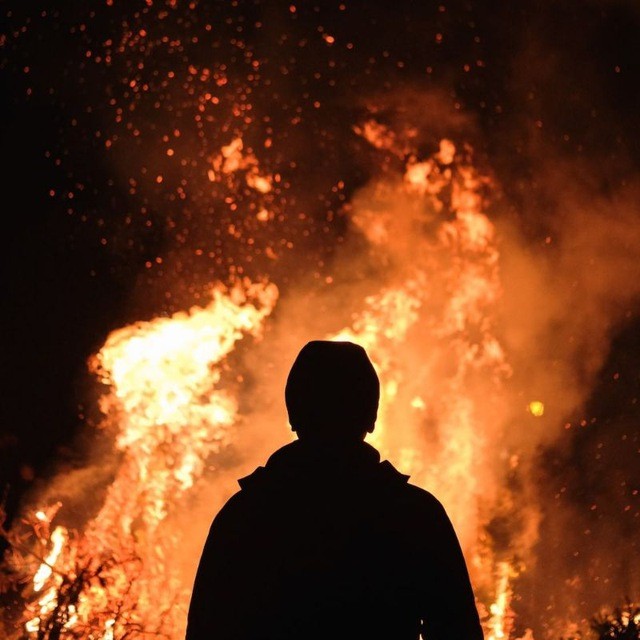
{"x": 331, "y": 543}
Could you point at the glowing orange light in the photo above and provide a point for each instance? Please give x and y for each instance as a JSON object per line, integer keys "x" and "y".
{"x": 536, "y": 408}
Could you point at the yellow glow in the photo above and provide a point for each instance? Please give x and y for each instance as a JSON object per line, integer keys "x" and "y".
{"x": 58, "y": 538}
{"x": 499, "y": 609}
{"x": 536, "y": 408}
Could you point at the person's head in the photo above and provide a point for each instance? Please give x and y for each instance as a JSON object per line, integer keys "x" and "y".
{"x": 332, "y": 392}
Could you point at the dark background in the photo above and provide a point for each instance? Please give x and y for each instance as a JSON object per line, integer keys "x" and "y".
{"x": 79, "y": 240}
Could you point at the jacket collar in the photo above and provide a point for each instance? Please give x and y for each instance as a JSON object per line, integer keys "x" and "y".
{"x": 300, "y": 459}
{"x": 314, "y": 454}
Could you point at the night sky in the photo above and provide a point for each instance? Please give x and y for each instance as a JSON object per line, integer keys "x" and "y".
{"x": 108, "y": 219}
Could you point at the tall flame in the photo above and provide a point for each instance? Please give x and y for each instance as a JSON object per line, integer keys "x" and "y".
{"x": 435, "y": 409}
{"x": 169, "y": 415}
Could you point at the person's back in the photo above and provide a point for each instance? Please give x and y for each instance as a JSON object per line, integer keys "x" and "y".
{"x": 326, "y": 541}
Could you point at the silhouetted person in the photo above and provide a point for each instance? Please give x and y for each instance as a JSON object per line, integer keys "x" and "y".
{"x": 325, "y": 541}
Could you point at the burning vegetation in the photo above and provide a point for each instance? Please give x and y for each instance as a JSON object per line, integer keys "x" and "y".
{"x": 270, "y": 237}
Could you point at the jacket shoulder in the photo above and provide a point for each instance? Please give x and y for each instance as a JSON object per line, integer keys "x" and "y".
{"x": 411, "y": 491}
{"x": 420, "y": 501}
{"x": 252, "y": 479}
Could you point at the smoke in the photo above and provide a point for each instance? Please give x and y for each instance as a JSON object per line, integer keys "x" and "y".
{"x": 565, "y": 295}
{"x": 570, "y": 249}
{"x": 566, "y": 298}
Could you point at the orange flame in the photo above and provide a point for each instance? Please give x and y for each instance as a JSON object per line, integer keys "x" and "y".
{"x": 499, "y": 623}
{"x": 169, "y": 416}
{"x": 447, "y": 303}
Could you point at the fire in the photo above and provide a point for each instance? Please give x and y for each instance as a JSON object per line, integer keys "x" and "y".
{"x": 499, "y": 623}
{"x": 58, "y": 538}
{"x": 232, "y": 140}
{"x": 169, "y": 416}
{"x": 170, "y": 408}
